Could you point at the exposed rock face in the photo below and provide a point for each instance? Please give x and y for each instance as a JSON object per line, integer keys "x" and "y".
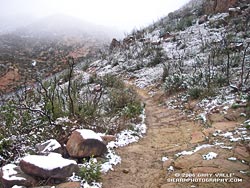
{"x": 51, "y": 166}
{"x": 85, "y": 143}
{"x": 11, "y": 175}
{"x": 216, "y": 6}
{"x": 114, "y": 44}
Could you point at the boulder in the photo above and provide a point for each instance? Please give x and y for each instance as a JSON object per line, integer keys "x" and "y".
{"x": 11, "y": 175}
{"x": 85, "y": 143}
{"x": 49, "y": 146}
{"x": 51, "y": 166}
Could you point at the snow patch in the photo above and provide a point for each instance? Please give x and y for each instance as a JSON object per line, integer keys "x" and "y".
{"x": 163, "y": 159}
{"x": 209, "y": 156}
{"x": 171, "y": 169}
{"x": 113, "y": 159}
{"x": 232, "y": 158}
{"x": 123, "y": 139}
{"x": 193, "y": 151}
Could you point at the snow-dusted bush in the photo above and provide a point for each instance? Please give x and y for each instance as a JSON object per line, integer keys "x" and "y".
{"x": 175, "y": 83}
{"x": 90, "y": 171}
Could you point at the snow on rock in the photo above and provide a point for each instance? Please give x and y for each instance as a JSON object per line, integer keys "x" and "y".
{"x": 11, "y": 175}
{"x": 9, "y": 172}
{"x": 89, "y": 134}
{"x": 49, "y": 146}
{"x": 85, "y": 143}
{"x": 51, "y": 166}
{"x": 209, "y": 156}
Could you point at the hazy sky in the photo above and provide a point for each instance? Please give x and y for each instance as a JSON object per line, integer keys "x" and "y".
{"x": 122, "y": 14}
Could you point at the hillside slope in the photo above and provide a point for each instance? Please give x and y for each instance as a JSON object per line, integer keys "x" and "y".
{"x": 198, "y": 59}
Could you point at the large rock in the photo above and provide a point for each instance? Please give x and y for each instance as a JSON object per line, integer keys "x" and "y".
{"x": 11, "y": 175}
{"x": 51, "y": 166}
{"x": 85, "y": 143}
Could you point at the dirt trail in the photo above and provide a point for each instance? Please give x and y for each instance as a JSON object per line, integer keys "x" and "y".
{"x": 168, "y": 133}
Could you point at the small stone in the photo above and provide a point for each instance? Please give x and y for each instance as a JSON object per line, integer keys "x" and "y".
{"x": 125, "y": 171}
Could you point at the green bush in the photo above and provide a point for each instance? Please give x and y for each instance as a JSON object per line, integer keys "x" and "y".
{"x": 195, "y": 93}
{"x": 90, "y": 171}
{"x": 5, "y": 149}
{"x": 158, "y": 56}
{"x": 132, "y": 110}
{"x": 87, "y": 112}
{"x": 112, "y": 82}
{"x": 120, "y": 98}
{"x": 184, "y": 23}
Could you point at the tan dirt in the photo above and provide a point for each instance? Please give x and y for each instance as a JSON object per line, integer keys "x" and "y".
{"x": 168, "y": 133}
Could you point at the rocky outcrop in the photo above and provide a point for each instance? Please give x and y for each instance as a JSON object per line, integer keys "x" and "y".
{"x": 114, "y": 44}
{"x": 216, "y": 6}
{"x": 51, "y": 166}
{"x": 85, "y": 143}
{"x": 11, "y": 175}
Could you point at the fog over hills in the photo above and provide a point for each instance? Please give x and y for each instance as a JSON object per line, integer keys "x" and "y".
{"x": 55, "y": 26}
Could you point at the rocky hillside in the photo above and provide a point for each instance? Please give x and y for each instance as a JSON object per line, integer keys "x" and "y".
{"x": 42, "y": 48}
{"x": 190, "y": 69}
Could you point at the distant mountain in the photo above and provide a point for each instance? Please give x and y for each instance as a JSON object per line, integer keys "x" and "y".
{"x": 10, "y": 23}
{"x": 62, "y": 25}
